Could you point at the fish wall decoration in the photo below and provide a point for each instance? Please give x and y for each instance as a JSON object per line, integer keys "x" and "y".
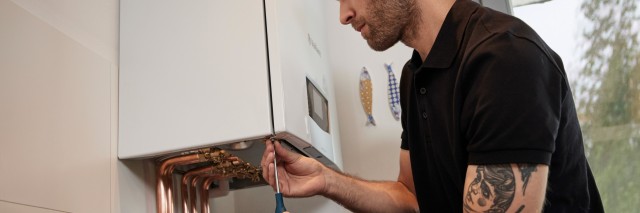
{"x": 394, "y": 93}
{"x": 366, "y": 95}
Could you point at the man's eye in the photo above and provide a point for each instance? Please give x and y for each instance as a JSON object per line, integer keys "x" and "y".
{"x": 486, "y": 191}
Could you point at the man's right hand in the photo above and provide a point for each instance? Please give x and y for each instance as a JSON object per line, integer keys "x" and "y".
{"x": 299, "y": 176}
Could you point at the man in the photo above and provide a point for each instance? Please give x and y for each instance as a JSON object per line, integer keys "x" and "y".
{"x": 489, "y": 122}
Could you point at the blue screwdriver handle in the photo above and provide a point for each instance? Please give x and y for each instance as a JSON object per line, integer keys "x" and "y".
{"x": 280, "y": 203}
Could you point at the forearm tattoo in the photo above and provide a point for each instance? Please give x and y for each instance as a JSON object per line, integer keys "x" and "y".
{"x": 526, "y": 170}
{"x": 494, "y": 186}
{"x": 492, "y": 190}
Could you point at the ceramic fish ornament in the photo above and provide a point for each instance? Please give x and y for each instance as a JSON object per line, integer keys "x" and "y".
{"x": 366, "y": 95}
{"x": 394, "y": 93}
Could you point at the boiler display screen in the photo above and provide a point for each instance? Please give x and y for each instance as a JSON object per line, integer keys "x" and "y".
{"x": 318, "y": 106}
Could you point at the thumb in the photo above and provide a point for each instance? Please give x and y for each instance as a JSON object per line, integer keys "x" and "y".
{"x": 284, "y": 154}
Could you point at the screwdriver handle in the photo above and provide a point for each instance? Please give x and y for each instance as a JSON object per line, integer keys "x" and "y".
{"x": 280, "y": 203}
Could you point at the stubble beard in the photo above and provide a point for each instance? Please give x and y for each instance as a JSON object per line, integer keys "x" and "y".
{"x": 391, "y": 21}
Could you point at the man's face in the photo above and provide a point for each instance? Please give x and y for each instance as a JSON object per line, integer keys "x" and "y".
{"x": 381, "y": 22}
{"x": 480, "y": 195}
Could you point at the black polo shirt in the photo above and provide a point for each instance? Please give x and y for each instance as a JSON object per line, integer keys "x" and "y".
{"x": 491, "y": 92}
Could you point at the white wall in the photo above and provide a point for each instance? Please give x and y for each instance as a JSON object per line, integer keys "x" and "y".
{"x": 58, "y": 66}
{"x": 371, "y": 152}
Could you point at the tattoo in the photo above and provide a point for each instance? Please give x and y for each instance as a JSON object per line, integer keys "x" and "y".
{"x": 520, "y": 209}
{"x": 492, "y": 190}
{"x": 526, "y": 170}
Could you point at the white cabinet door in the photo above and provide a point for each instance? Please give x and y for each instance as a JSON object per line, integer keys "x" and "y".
{"x": 192, "y": 73}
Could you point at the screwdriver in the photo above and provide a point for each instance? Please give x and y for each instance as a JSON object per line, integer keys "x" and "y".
{"x": 279, "y": 201}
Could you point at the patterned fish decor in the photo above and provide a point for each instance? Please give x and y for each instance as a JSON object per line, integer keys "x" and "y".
{"x": 366, "y": 95}
{"x": 394, "y": 93}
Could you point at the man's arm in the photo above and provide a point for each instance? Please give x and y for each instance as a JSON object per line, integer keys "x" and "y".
{"x": 300, "y": 176}
{"x": 375, "y": 196}
{"x": 510, "y": 188}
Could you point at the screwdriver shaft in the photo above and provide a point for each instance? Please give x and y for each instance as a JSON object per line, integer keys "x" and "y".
{"x": 275, "y": 166}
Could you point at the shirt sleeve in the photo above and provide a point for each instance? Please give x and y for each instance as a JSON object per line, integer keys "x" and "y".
{"x": 405, "y": 89}
{"x": 512, "y": 111}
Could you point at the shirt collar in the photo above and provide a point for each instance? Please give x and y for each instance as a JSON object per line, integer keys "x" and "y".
{"x": 448, "y": 41}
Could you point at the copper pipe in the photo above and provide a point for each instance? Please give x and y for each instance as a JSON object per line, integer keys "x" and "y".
{"x": 204, "y": 192}
{"x": 185, "y": 193}
{"x": 197, "y": 182}
{"x": 192, "y": 190}
{"x": 164, "y": 194}
{"x": 186, "y": 180}
{"x": 220, "y": 160}
{"x": 193, "y": 185}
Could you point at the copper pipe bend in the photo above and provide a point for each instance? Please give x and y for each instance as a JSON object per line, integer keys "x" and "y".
{"x": 164, "y": 194}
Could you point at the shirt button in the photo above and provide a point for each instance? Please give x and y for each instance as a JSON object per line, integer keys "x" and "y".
{"x": 424, "y": 115}
{"x": 423, "y": 90}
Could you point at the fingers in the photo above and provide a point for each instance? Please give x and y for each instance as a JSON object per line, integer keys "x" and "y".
{"x": 268, "y": 167}
{"x": 269, "y": 175}
{"x": 268, "y": 149}
{"x": 267, "y": 159}
{"x": 285, "y": 156}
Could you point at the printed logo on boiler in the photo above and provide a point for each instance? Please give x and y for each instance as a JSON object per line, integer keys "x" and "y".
{"x": 314, "y": 45}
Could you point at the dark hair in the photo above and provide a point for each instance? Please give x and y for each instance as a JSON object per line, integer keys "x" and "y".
{"x": 502, "y": 179}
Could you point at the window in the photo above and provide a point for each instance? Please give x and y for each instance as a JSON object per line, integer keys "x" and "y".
{"x": 598, "y": 43}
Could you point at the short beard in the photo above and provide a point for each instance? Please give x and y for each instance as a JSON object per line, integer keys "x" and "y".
{"x": 391, "y": 21}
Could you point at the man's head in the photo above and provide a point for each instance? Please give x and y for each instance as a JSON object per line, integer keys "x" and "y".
{"x": 381, "y": 22}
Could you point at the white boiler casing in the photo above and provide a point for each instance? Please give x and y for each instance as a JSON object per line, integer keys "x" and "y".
{"x": 204, "y": 73}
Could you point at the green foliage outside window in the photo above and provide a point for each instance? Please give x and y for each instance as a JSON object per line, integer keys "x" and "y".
{"x": 608, "y": 94}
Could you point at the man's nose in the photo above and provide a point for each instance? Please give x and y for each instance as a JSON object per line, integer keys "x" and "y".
{"x": 346, "y": 12}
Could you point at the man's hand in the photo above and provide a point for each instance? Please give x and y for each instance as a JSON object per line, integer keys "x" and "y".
{"x": 299, "y": 176}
